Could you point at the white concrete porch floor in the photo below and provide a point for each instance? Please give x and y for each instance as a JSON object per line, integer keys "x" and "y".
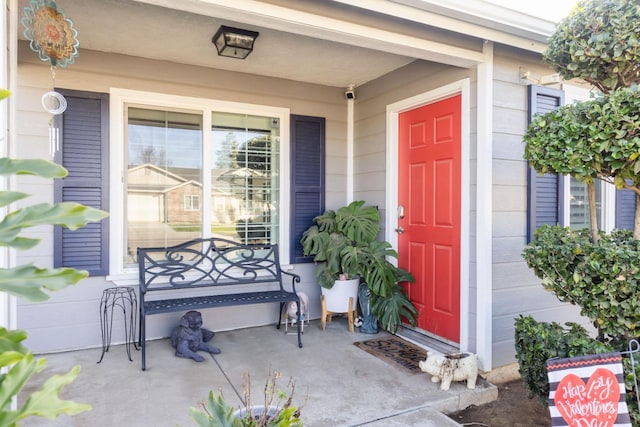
{"x": 337, "y": 384}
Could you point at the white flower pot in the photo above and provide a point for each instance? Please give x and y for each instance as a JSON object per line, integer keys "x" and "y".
{"x": 337, "y": 298}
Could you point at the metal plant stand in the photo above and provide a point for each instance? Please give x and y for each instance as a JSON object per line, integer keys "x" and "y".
{"x": 124, "y": 298}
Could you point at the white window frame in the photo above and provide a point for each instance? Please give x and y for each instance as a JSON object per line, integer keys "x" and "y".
{"x": 607, "y": 209}
{"x": 118, "y": 100}
{"x": 608, "y": 203}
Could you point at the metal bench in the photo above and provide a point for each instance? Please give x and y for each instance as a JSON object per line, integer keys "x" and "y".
{"x": 228, "y": 274}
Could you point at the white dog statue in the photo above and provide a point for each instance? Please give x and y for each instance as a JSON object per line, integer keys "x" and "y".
{"x": 451, "y": 367}
{"x": 292, "y": 308}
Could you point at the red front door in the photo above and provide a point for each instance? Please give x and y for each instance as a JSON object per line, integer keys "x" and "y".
{"x": 429, "y": 150}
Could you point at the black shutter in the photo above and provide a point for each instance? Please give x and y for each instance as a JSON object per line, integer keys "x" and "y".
{"x": 544, "y": 192}
{"x": 625, "y": 209}
{"x": 84, "y": 152}
{"x": 307, "y": 178}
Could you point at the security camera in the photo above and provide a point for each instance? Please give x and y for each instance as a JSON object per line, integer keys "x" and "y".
{"x": 350, "y": 93}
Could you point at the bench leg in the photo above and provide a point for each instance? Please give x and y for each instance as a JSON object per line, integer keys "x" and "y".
{"x": 299, "y": 313}
{"x": 143, "y": 339}
{"x": 282, "y": 306}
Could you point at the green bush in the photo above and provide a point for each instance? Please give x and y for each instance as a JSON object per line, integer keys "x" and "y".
{"x": 603, "y": 279}
{"x": 599, "y": 138}
{"x": 537, "y": 342}
{"x": 632, "y": 393}
{"x": 17, "y": 363}
{"x": 598, "y": 42}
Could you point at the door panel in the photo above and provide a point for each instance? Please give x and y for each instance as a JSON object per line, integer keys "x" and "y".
{"x": 429, "y": 187}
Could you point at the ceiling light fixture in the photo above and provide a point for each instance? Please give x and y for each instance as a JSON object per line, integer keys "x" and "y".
{"x": 234, "y": 42}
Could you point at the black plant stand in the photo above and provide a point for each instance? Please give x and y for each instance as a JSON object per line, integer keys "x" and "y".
{"x": 123, "y": 297}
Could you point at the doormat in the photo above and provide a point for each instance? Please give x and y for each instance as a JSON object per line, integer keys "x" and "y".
{"x": 395, "y": 351}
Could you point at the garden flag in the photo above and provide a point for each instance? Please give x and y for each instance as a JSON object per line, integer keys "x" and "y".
{"x": 587, "y": 391}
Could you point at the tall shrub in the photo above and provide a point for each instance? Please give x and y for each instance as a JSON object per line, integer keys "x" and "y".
{"x": 599, "y": 42}
{"x": 603, "y": 279}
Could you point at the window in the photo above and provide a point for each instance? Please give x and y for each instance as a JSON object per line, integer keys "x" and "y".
{"x": 191, "y": 202}
{"x": 198, "y": 168}
{"x": 165, "y": 178}
{"x": 171, "y": 168}
{"x": 576, "y": 195}
{"x": 164, "y": 169}
{"x": 577, "y": 204}
{"x": 245, "y": 177}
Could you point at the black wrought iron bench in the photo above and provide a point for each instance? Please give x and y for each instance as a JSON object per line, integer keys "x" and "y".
{"x": 222, "y": 273}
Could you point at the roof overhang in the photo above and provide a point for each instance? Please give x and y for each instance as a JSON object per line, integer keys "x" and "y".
{"x": 471, "y": 18}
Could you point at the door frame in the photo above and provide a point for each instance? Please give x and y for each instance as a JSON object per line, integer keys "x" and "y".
{"x": 462, "y": 87}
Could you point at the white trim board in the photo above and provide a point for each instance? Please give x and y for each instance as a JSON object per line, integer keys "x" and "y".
{"x": 462, "y": 87}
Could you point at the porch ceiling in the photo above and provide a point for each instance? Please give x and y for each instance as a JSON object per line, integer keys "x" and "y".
{"x": 327, "y": 43}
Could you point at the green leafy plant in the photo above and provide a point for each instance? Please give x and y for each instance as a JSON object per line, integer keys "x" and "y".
{"x": 597, "y": 139}
{"x": 30, "y": 282}
{"x": 276, "y": 410}
{"x": 344, "y": 243}
{"x": 598, "y": 42}
{"x": 536, "y": 342}
{"x": 603, "y": 279}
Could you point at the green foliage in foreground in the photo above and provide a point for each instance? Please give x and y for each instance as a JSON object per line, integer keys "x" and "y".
{"x": 30, "y": 282}
{"x": 216, "y": 412}
{"x": 21, "y": 366}
{"x": 603, "y": 279}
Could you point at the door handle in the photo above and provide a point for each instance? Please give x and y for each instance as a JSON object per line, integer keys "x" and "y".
{"x": 400, "y": 230}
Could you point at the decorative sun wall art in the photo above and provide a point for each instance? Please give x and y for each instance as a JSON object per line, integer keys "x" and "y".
{"x": 53, "y": 38}
{"x": 50, "y": 32}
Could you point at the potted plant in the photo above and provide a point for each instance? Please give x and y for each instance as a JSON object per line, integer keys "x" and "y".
{"x": 276, "y": 409}
{"x": 343, "y": 243}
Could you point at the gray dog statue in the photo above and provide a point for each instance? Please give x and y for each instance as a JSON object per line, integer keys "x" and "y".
{"x": 189, "y": 337}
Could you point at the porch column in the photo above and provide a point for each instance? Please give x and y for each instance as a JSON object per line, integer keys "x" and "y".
{"x": 8, "y": 73}
{"x": 484, "y": 228}
{"x": 350, "y": 149}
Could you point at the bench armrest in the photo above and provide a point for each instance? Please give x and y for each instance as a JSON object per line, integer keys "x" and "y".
{"x": 294, "y": 279}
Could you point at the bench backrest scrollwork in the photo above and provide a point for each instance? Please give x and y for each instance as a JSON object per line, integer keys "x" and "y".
{"x": 207, "y": 262}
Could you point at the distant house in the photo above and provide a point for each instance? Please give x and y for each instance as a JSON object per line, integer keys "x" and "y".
{"x": 152, "y": 190}
{"x": 416, "y": 107}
